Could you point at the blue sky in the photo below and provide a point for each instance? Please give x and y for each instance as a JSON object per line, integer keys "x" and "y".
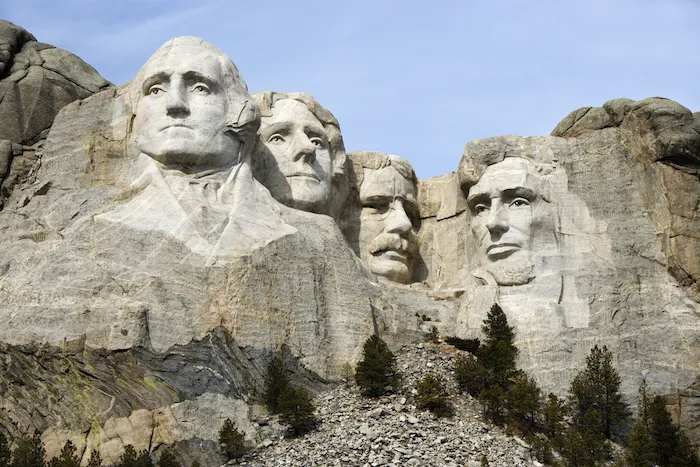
{"x": 414, "y": 78}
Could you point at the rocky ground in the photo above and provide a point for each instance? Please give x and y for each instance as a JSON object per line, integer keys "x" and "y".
{"x": 391, "y": 431}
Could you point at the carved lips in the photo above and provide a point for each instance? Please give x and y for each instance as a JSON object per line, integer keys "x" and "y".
{"x": 501, "y": 250}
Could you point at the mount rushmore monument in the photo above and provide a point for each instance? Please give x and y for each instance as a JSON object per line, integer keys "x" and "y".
{"x": 163, "y": 239}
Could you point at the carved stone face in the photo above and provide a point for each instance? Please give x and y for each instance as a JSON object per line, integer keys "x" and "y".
{"x": 181, "y": 115}
{"x": 297, "y": 141}
{"x": 503, "y": 205}
{"x": 389, "y": 213}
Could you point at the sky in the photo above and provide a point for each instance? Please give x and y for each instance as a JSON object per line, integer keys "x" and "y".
{"x": 418, "y": 79}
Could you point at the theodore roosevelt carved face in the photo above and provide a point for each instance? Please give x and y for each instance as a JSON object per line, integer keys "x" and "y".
{"x": 504, "y": 205}
{"x": 389, "y": 218}
{"x": 192, "y": 108}
{"x": 300, "y": 150}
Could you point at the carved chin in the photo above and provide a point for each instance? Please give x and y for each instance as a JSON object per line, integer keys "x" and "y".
{"x": 512, "y": 271}
{"x": 390, "y": 269}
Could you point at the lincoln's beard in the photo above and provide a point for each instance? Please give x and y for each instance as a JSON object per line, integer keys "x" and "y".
{"x": 512, "y": 271}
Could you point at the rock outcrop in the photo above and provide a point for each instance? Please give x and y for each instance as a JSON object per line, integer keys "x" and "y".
{"x": 147, "y": 278}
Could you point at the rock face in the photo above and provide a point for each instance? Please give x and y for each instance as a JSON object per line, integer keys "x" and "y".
{"x": 147, "y": 276}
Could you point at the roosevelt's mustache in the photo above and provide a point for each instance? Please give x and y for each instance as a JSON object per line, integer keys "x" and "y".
{"x": 394, "y": 242}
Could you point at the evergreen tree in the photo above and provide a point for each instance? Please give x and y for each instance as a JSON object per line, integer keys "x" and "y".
{"x": 670, "y": 444}
{"x": 168, "y": 459}
{"x": 276, "y": 382}
{"x": 433, "y": 396}
{"x": 29, "y": 452}
{"x": 597, "y": 387}
{"x": 523, "y": 401}
{"x": 685, "y": 455}
{"x": 584, "y": 445}
{"x": 643, "y": 408}
{"x": 469, "y": 374}
{"x": 4, "y": 451}
{"x": 498, "y": 353}
{"x": 130, "y": 458}
{"x": 376, "y": 373}
{"x": 640, "y": 448}
{"x": 297, "y": 410}
{"x": 231, "y": 440}
{"x": 67, "y": 458}
{"x": 95, "y": 459}
{"x": 553, "y": 413}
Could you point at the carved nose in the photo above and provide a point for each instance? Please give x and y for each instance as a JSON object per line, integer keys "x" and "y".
{"x": 177, "y": 104}
{"x": 497, "y": 222}
{"x": 398, "y": 221}
{"x": 304, "y": 149}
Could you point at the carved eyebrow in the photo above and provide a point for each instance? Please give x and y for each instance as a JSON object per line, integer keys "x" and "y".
{"x": 197, "y": 77}
{"x": 478, "y": 198}
{"x": 519, "y": 192}
{"x": 153, "y": 79}
{"x": 275, "y": 128}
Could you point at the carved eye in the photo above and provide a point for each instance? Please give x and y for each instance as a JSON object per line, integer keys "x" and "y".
{"x": 200, "y": 88}
{"x": 276, "y": 138}
{"x": 154, "y": 90}
{"x": 318, "y": 142}
{"x": 377, "y": 207}
{"x": 480, "y": 208}
{"x": 520, "y": 202}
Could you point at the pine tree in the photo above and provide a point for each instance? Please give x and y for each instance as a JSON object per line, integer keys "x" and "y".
{"x": 523, "y": 401}
{"x": 670, "y": 444}
{"x": 685, "y": 455}
{"x": 67, "y": 458}
{"x": 376, "y": 373}
{"x": 95, "y": 459}
{"x": 297, "y": 410}
{"x": 640, "y": 447}
{"x": 584, "y": 444}
{"x": 29, "y": 452}
{"x": 276, "y": 382}
{"x": 553, "y": 414}
{"x": 597, "y": 387}
{"x": 432, "y": 395}
{"x": 168, "y": 459}
{"x": 130, "y": 458}
{"x": 469, "y": 374}
{"x": 231, "y": 440}
{"x": 4, "y": 451}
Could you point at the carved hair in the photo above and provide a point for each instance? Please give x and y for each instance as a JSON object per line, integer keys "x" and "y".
{"x": 376, "y": 161}
{"x": 243, "y": 119}
{"x": 480, "y": 154}
{"x": 266, "y": 101}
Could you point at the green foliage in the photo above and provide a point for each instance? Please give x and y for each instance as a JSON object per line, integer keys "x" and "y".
{"x": 484, "y": 461}
{"x": 130, "y": 458}
{"x": 540, "y": 448}
{"x": 469, "y": 374}
{"x": 640, "y": 448}
{"x": 584, "y": 444}
{"x": 29, "y": 452}
{"x": 468, "y": 345}
{"x": 167, "y": 459}
{"x": 4, "y": 451}
{"x": 670, "y": 444}
{"x": 276, "y": 382}
{"x": 498, "y": 353}
{"x": 432, "y": 395}
{"x": 95, "y": 459}
{"x": 597, "y": 387}
{"x": 67, "y": 458}
{"x": 433, "y": 335}
{"x": 685, "y": 455}
{"x": 523, "y": 401}
{"x": 376, "y": 373}
{"x": 231, "y": 441}
{"x": 553, "y": 413}
{"x": 297, "y": 410}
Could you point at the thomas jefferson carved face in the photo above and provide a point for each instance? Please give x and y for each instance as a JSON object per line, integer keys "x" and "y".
{"x": 387, "y": 223}
{"x": 503, "y": 205}
{"x": 298, "y": 142}
{"x": 181, "y": 114}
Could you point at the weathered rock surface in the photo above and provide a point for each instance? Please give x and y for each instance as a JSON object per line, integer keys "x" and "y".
{"x": 139, "y": 306}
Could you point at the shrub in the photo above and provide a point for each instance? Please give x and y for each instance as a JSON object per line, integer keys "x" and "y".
{"x": 469, "y": 374}
{"x": 276, "y": 382}
{"x": 433, "y": 396}
{"x": 67, "y": 458}
{"x": 29, "y": 452}
{"x": 167, "y": 459}
{"x": 95, "y": 459}
{"x": 4, "y": 451}
{"x": 433, "y": 335}
{"x": 468, "y": 345}
{"x": 297, "y": 410}
{"x": 130, "y": 458}
{"x": 376, "y": 373}
{"x": 231, "y": 441}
